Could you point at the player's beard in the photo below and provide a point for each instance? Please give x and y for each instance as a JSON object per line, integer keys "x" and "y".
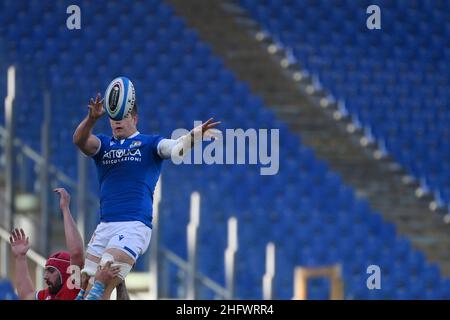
{"x": 53, "y": 288}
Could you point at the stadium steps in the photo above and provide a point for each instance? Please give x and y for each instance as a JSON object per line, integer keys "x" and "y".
{"x": 232, "y": 36}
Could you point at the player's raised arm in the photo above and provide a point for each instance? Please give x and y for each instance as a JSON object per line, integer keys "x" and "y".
{"x": 83, "y": 137}
{"x": 74, "y": 241}
{"x": 177, "y": 148}
{"x": 19, "y": 247}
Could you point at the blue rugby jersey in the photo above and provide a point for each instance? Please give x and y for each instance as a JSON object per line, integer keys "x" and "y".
{"x": 127, "y": 173}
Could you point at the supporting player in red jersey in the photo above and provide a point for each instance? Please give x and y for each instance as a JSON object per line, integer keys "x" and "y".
{"x": 56, "y": 274}
{"x": 56, "y": 277}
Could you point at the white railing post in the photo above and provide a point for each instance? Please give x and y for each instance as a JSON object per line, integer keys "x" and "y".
{"x": 192, "y": 242}
{"x": 10, "y": 163}
{"x": 154, "y": 264}
{"x": 230, "y": 257}
{"x": 270, "y": 272}
{"x": 45, "y": 226}
{"x": 82, "y": 168}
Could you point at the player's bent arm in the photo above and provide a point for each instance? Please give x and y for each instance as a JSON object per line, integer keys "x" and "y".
{"x": 84, "y": 139}
{"x": 25, "y": 287}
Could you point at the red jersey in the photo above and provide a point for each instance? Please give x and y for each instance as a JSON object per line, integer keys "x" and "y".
{"x": 64, "y": 294}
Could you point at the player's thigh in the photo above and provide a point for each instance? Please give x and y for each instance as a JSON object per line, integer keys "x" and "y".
{"x": 99, "y": 240}
{"x": 132, "y": 240}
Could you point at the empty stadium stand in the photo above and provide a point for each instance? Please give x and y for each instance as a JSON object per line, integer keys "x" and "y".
{"x": 394, "y": 81}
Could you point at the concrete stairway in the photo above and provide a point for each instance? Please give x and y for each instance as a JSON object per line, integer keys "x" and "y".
{"x": 233, "y": 37}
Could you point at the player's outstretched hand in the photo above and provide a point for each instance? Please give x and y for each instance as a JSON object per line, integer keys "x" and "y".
{"x": 106, "y": 274}
{"x": 209, "y": 124}
{"x": 96, "y": 109}
{"x": 207, "y": 129}
{"x": 19, "y": 242}
{"x": 64, "y": 200}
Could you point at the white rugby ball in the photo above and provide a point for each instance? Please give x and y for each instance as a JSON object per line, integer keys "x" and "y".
{"x": 120, "y": 98}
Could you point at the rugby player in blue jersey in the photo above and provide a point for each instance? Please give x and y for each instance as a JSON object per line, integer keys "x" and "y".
{"x": 128, "y": 165}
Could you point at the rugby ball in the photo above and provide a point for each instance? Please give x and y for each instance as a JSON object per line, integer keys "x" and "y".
{"x": 119, "y": 98}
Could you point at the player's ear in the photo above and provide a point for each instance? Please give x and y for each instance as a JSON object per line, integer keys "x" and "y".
{"x": 134, "y": 113}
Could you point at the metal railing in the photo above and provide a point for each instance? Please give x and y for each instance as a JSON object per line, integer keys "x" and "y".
{"x": 219, "y": 291}
{"x": 38, "y": 159}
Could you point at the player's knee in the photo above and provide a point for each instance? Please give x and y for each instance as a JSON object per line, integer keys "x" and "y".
{"x": 125, "y": 267}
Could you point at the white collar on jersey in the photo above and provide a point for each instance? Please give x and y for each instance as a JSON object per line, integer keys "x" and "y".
{"x": 133, "y": 135}
{"x": 130, "y": 137}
